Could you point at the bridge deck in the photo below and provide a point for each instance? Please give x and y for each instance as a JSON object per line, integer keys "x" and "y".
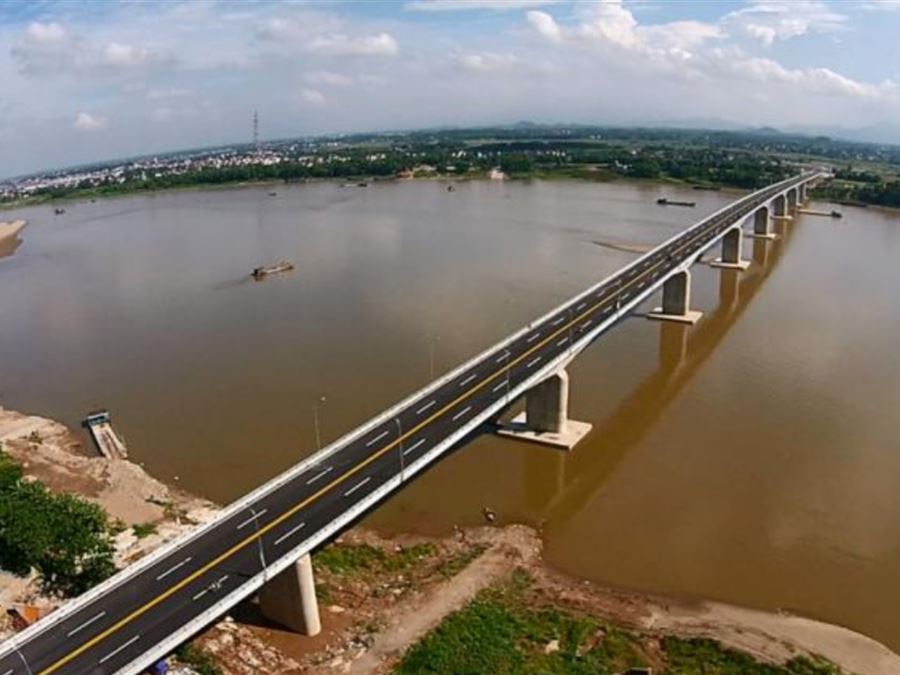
{"x": 142, "y": 613}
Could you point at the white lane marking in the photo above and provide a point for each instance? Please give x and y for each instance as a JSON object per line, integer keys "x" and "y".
{"x": 82, "y": 626}
{"x": 468, "y": 379}
{"x": 9, "y": 672}
{"x": 357, "y": 486}
{"x": 200, "y": 594}
{"x": 581, "y": 306}
{"x": 414, "y": 446}
{"x": 376, "y": 439}
{"x": 533, "y": 338}
{"x": 319, "y": 475}
{"x": 533, "y": 361}
{"x": 498, "y": 387}
{"x": 558, "y": 321}
{"x": 425, "y": 407}
{"x": 562, "y": 342}
{"x": 249, "y": 520}
{"x": 290, "y": 532}
{"x": 460, "y": 413}
{"x": 586, "y": 324}
{"x": 502, "y": 358}
{"x": 173, "y": 568}
{"x": 222, "y": 579}
{"x": 119, "y": 649}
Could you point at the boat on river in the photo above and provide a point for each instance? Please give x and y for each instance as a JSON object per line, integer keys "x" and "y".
{"x": 260, "y": 273}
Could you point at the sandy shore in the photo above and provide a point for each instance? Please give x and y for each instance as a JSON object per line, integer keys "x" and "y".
{"x": 9, "y": 240}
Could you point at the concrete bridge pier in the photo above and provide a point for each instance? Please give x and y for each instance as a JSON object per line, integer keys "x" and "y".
{"x": 546, "y": 417}
{"x": 676, "y": 301}
{"x": 289, "y": 599}
{"x": 802, "y": 197}
{"x": 792, "y": 199}
{"x": 762, "y": 224}
{"x": 780, "y": 204}
{"x": 731, "y": 251}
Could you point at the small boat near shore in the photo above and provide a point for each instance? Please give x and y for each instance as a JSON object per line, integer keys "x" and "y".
{"x": 260, "y": 273}
{"x": 662, "y": 201}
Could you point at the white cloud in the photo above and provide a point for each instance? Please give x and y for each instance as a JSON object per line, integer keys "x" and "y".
{"x": 298, "y": 26}
{"x": 811, "y": 80}
{"x": 51, "y": 49}
{"x": 487, "y": 62}
{"x": 46, "y": 33}
{"x": 458, "y": 5}
{"x": 313, "y": 96}
{"x": 338, "y": 44}
{"x": 328, "y": 78}
{"x": 545, "y": 24}
{"x": 881, "y": 5}
{"x": 771, "y": 20}
{"x": 87, "y": 122}
{"x": 609, "y": 20}
{"x": 120, "y": 55}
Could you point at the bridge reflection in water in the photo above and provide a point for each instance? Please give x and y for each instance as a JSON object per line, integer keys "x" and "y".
{"x": 558, "y": 483}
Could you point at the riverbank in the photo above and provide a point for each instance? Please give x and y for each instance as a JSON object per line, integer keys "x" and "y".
{"x": 585, "y": 173}
{"x": 381, "y": 598}
{"x": 9, "y": 239}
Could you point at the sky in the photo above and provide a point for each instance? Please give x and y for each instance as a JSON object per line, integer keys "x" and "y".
{"x": 83, "y": 81}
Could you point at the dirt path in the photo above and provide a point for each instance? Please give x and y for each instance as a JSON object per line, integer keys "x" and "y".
{"x": 411, "y": 621}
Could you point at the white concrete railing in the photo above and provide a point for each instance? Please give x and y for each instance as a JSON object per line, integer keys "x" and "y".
{"x": 11, "y": 645}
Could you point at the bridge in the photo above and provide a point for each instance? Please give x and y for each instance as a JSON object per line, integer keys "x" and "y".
{"x": 261, "y": 543}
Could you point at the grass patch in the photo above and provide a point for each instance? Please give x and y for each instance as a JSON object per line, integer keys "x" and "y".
{"x": 351, "y": 559}
{"x": 512, "y": 628}
{"x": 698, "y": 656}
{"x": 142, "y": 530}
{"x": 198, "y": 659}
{"x": 456, "y": 564}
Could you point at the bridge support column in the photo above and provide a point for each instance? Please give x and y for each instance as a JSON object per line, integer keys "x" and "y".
{"x": 676, "y": 301}
{"x": 762, "y": 224}
{"x": 792, "y": 199}
{"x": 546, "y": 417}
{"x": 731, "y": 251}
{"x": 289, "y": 599}
{"x": 780, "y": 204}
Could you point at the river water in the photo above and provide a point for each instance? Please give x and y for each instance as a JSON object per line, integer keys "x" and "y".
{"x": 753, "y": 458}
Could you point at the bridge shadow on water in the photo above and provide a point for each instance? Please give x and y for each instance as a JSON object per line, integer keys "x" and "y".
{"x": 683, "y": 350}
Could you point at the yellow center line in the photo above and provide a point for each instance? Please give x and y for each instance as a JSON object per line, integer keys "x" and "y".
{"x": 350, "y": 472}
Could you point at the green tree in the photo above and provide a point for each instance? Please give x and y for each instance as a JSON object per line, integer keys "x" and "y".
{"x": 62, "y": 536}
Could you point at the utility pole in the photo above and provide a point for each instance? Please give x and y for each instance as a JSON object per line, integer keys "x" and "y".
{"x": 255, "y": 131}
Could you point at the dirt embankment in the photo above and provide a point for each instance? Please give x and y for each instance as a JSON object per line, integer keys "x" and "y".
{"x": 9, "y": 240}
{"x": 51, "y": 453}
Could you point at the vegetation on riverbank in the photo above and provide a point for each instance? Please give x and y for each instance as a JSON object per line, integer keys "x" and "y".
{"x": 706, "y": 159}
{"x": 64, "y": 538}
{"x": 862, "y": 186}
{"x": 513, "y": 628}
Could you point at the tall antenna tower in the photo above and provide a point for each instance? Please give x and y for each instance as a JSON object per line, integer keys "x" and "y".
{"x": 255, "y": 131}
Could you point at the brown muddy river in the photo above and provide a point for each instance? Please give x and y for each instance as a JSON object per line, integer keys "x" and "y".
{"x": 753, "y": 458}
